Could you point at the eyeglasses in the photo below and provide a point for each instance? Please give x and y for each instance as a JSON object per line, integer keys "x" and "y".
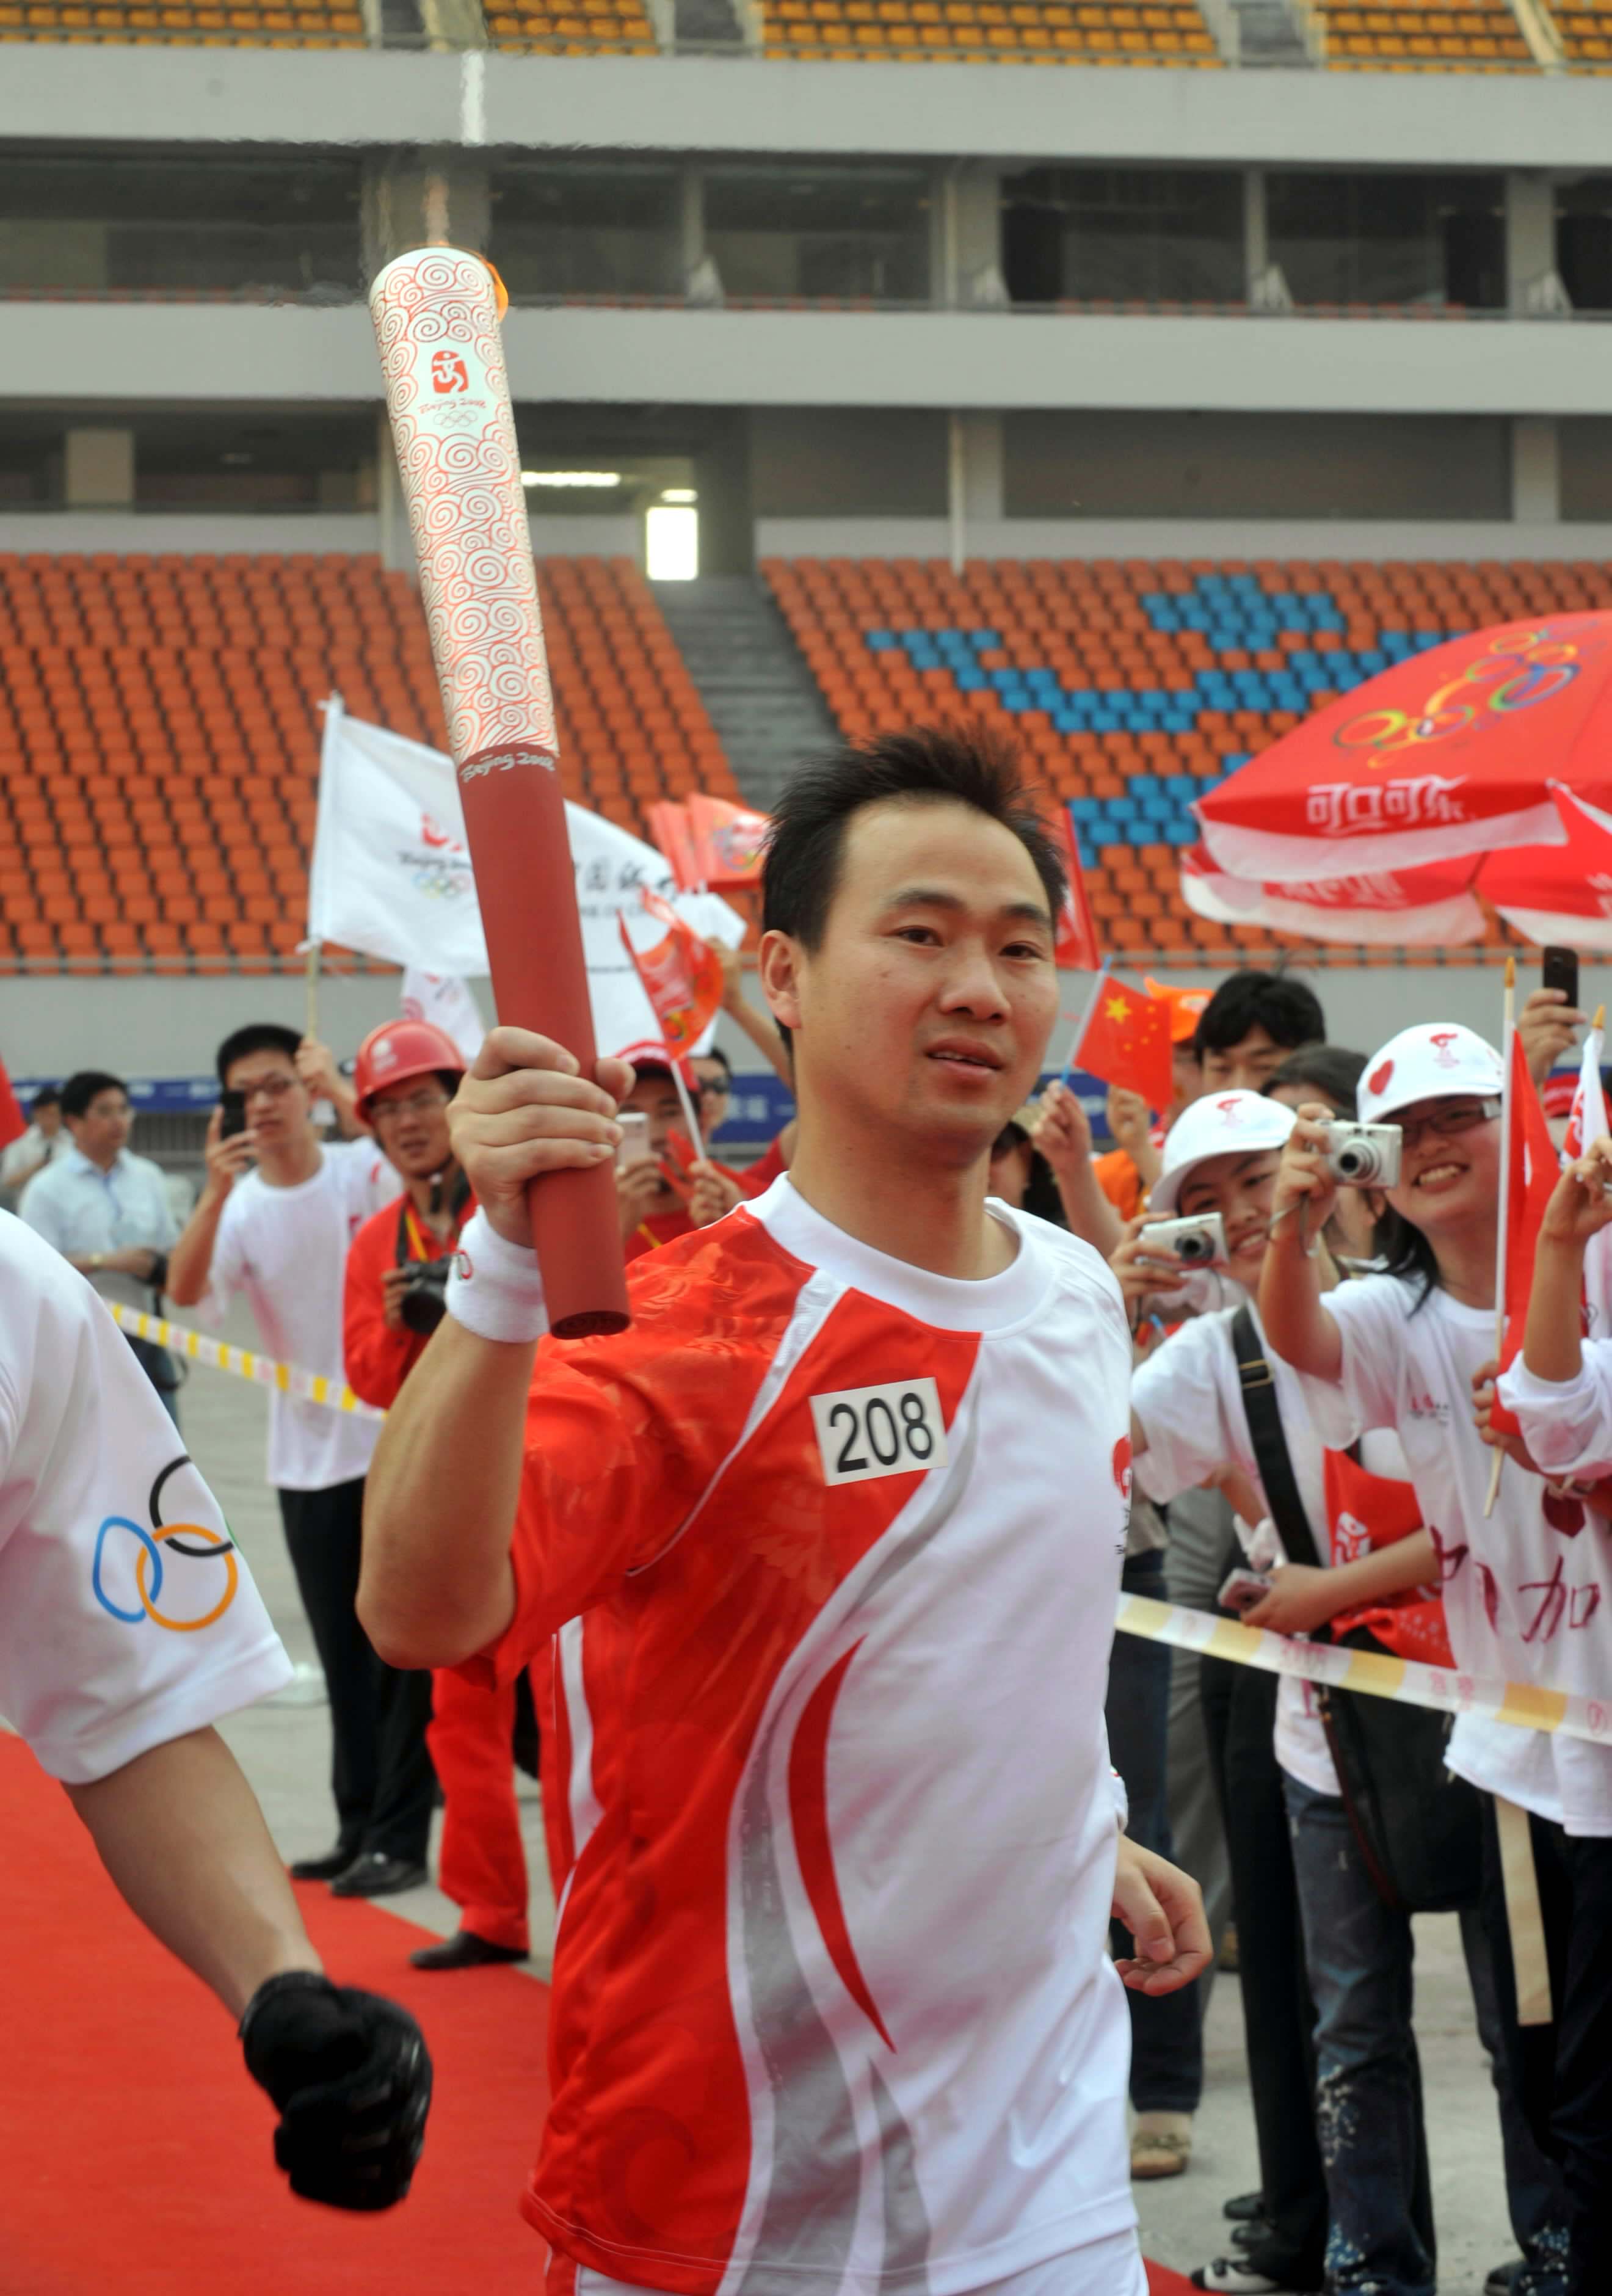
{"x": 1448, "y": 1119}
{"x": 269, "y": 1087}
{"x": 418, "y": 1104}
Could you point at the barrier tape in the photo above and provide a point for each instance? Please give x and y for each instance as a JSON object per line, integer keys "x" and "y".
{"x": 244, "y": 1362}
{"x": 1375, "y": 1672}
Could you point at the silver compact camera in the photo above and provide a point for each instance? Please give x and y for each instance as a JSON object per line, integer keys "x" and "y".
{"x": 1364, "y": 1155}
{"x": 1200, "y": 1242}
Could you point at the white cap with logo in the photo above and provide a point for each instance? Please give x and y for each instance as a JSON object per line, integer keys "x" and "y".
{"x": 1438, "y": 1060}
{"x": 1220, "y": 1124}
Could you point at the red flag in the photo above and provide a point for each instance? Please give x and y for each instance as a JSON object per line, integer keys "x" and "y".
{"x": 682, "y": 977}
{"x": 1532, "y": 1169}
{"x": 1078, "y": 950}
{"x": 13, "y": 1124}
{"x": 729, "y": 841}
{"x": 1126, "y": 1042}
{"x": 669, "y": 827}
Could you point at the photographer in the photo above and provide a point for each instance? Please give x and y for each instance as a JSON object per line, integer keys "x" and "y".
{"x": 396, "y": 1280}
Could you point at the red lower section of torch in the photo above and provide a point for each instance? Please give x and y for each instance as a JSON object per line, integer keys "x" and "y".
{"x": 514, "y": 818}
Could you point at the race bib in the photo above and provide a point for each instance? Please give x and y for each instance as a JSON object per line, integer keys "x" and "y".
{"x": 894, "y": 1430}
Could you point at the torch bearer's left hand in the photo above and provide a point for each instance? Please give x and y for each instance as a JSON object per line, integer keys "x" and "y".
{"x": 525, "y": 1109}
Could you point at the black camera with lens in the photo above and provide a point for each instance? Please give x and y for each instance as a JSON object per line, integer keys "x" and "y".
{"x": 424, "y": 1301}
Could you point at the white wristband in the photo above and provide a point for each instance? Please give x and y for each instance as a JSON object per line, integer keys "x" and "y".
{"x": 496, "y": 1287}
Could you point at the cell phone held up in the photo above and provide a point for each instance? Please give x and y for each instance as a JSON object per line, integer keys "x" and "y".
{"x": 1200, "y": 1242}
{"x": 234, "y": 1120}
{"x": 634, "y": 1146}
{"x": 1558, "y": 969}
{"x": 1241, "y": 1590}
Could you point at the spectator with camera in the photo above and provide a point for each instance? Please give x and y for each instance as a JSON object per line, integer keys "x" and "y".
{"x": 406, "y": 1075}
{"x": 276, "y": 1216}
{"x": 1526, "y": 1595}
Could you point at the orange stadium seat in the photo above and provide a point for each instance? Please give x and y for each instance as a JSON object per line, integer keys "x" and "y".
{"x": 1135, "y": 686}
{"x": 1584, "y": 27}
{"x": 589, "y": 28}
{"x": 159, "y": 736}
{"x": 989, "y": 31}
{"x": 1423, "y": 36}
{"x": 307, "y": 24}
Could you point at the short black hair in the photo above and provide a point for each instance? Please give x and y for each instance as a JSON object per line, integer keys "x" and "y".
{"x": 47, "y": 1096}
{"x": 257, "y": 1037}
{"x": 714, "y": 1053}
{"x": 1288, "y": 1013}
{"x": 924, "y": 764}
{"x": 1329, "y": 1070}
{"x": 80, "y": 1090}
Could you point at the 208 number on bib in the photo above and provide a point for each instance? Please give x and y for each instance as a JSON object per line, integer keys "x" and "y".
{"x": 895, "y": 1430}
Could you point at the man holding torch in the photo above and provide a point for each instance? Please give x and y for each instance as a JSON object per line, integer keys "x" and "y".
{"x": 831, "y": 1997}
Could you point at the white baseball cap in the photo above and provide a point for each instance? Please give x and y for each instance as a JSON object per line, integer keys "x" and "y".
{"x": 1220, "y": 1124}
{"x": 1438, "y": 1060}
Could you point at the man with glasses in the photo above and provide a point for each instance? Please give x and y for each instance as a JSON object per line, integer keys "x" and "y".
{"x": 277, "y": 1213}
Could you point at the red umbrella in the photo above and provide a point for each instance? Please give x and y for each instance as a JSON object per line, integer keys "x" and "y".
{"x": 1449, "y": 754}
{"x": 1558, "y": 893}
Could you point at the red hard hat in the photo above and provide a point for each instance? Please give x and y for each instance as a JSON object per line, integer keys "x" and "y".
{"x": 399, "y": 1050}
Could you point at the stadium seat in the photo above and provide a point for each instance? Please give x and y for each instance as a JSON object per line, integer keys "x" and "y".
{"x": 989, "y": 31}
{"x": 1585, "y": 29}
{"x": 1423, "y": 36}
{"x": 305, "y": 25}
{"x": 1136, "y": 687}
{"x": 159, "y": 736}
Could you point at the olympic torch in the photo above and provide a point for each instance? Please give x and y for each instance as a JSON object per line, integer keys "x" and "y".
{"x": 436, "y": 312}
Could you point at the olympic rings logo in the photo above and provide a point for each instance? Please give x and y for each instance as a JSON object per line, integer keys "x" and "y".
{"x": 149, "y": 1567}
{"x": 1520, "y": 670}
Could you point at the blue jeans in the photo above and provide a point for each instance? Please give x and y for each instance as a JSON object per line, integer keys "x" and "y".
{"x": 1167, "y": 2028}
{"x": 1367, "y": 2080}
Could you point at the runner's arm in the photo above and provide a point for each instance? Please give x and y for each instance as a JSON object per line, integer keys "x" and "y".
{"x": 1296, "y": 1324}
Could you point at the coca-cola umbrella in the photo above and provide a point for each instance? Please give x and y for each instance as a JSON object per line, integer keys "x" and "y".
{"x": 1559, "y": 893}
{"x": 1449, "y": 754}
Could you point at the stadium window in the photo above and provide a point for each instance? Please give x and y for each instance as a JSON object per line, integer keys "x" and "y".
{"x": 844, "y": 235}
{"x": 1123, "y": 236}
{"x": 587, "y": 228}
{"x": 1383, "y": 238}
{"x": 671, "y": 533}
{"x": 1583, "y": 241}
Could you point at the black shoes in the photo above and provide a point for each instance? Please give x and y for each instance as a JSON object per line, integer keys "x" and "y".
{"x": 373, "y": 1875}
{"x": 327, "y": 1868}
{"x": 466, "y": 1951}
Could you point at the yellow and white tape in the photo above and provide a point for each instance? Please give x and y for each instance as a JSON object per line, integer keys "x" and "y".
{"x": 245, "y": 1363}
{"x": 1407, "y": 1680}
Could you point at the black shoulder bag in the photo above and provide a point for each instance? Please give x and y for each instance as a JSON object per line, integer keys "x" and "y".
{"x": 1417, "y": 1827}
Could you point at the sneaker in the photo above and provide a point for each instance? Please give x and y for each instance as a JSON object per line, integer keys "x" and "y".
{"x": 1503, "y": 2278}
{"x": 1161, "y": 2144}
{"x": 1228, "y": 2272}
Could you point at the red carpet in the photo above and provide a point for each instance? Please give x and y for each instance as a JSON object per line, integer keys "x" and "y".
{"x": 135, "y": 2152}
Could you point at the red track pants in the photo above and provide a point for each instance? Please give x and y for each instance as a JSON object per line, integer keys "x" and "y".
{"x": 483, "y": 1865}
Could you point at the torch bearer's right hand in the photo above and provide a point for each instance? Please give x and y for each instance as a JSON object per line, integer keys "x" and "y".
{"x": 526, "y": 1110}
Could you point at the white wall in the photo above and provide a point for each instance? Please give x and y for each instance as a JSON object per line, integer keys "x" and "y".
{"x": 1163, "y": 537}
{"x": 254, "y": 95}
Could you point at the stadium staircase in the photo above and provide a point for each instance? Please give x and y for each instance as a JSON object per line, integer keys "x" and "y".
{"x": 764, "y": 703}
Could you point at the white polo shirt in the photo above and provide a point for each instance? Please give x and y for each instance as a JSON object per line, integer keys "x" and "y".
{"x": 127, "y": 1614}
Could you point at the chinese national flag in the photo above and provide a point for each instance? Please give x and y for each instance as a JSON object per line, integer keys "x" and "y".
{"x": 1531, "y": 1171}
{"x": 1126, "y": 1042}
{"x": 1078, "y": 950}
{"x": 670, "y": 829}
{"x": 13, "y": 1124}
{"x": 682, "y": 977}
{"x": 729, "y": 841}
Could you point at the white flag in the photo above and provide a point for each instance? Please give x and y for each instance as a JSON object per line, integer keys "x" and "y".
{"x": 392, "y": 874}
{"x": 1585, "y": 1125}
{"x": 446, "y": 1001}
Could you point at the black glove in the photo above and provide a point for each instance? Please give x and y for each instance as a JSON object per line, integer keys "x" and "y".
{"x": 352, "y": 2078}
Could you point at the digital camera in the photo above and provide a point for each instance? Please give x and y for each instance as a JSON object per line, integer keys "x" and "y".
{"x": 1364, "y": 1155}
{"x": 1197, "y": 1243}
{"x": 424, "y": 1301}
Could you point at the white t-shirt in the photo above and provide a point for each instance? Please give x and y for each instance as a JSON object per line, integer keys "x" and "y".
{"x": 852, "y": 1534}
{"x": 1189, "y": 1402}
{"x": 286, "y": 1249}
{"x": 1527, "y": 1597}
{"x": 127, "y": 1615}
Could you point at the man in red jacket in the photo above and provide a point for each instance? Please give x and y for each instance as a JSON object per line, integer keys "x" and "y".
{"x": 406, "y": 1073}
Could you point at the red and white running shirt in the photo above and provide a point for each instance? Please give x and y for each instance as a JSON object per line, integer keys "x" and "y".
{"x": 832, "y": 2011}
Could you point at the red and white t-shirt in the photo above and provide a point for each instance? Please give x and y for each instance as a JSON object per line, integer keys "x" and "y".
{"x": 1527, "y": 1591}
{"x": 831, "y": 2004}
